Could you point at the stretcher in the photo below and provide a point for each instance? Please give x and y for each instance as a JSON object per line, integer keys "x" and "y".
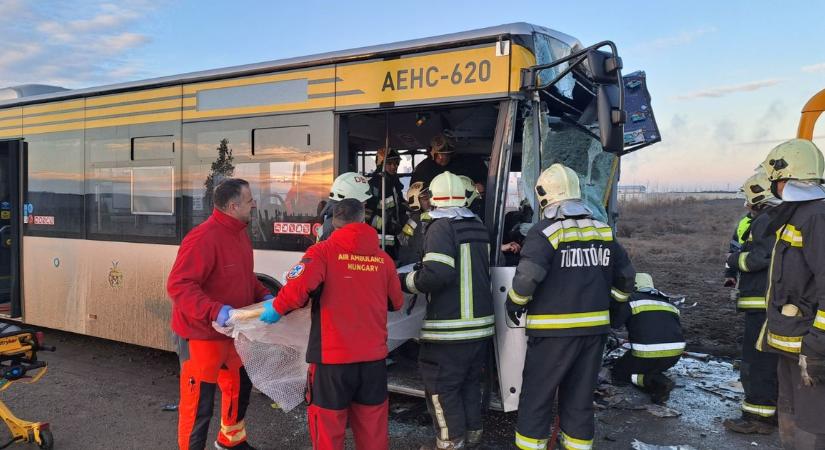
{"x": 19, "y": 364}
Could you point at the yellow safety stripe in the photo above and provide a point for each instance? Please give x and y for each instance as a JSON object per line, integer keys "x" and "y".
{"x": 743, "y": 265}
{"x": 790, "y": 234}
{"x": 790, "y": 344}
{"x": 409, "y": 280}
{"x": 580, "y": 235}
{"x": 618, "y": 295}
{"x": 759, "y": 410}
{"x": 638, "y": 379}
{"x": 440, "y": 257}
{"x": 518, "y": 299}
{"x": 657, "y": 350}
{"x": 443, "y": 431}
{"x": 466, "y": 282}
{"x": 742, "y": 227}
{"x": 526, "y": 443}
{"x": 566, "y": 321}
{"x": 751, "y": 303}
{"x": 409, "y": 228}
{"x": 578, "y": 444}
{"x": 640, "y": 306}
{"x": 819, "y": 320}
{"x": 234, "y": 433}
{"x": 460, "y": 323}
{"x": 458, "y": 335}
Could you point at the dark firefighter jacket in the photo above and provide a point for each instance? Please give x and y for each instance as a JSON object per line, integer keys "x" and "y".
{"x": 394, "y": 214}
{"x": 652, "y": 322}
{"x": 751, "y": 262}
{"x": 736, "y": 242}
{"x": 796, "y": 290}
{"x": 412, "y": 238}
{"x": 568, "y": 271}
{"x": 351, "y": 283}
{"x": 455, "y": 276}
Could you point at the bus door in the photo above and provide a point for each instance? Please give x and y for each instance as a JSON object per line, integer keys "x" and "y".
{"x": 13, "y": 214}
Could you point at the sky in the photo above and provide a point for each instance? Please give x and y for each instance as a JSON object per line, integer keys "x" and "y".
{"x": 727, "y": 79}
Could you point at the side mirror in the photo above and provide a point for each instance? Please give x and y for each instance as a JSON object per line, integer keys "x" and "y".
{"x": 611, "y": 118}
{"x": 605, "y": 67}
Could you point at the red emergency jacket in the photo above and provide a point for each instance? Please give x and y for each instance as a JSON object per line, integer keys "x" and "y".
{"x": 213, "y": 268}
{"x": 352, "y": 283}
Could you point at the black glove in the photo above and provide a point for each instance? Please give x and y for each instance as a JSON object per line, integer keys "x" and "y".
{"x": 514, "y": 311}
{"x": 402, "y": 277}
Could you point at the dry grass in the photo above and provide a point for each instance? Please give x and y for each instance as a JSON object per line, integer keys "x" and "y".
{"x": 683, "y": 243}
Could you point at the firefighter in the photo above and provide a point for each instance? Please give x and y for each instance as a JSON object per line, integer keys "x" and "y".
{"x": 655, "y": 335}
{"x": 758, "y": 369}
{"x": 437, "y": 162}
{"x": 570, "y": 267}
{"x": 459, "y": 322}
{"x": 795, "y": 326}
{"x": 347, "y": 185}
{"x": 393, "y": 203}
{"x": 212, "y": 274}
{"x": 735, "y": 246}
{"x": 350, "y": 283}
{"x": 411, "y": 237}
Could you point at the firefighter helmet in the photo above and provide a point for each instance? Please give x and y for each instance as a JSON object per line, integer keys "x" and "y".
{"x": 644, "y": 281}
{"x": 447, "y": 190}
{"x": 757, "y": 188}
{"x": 796, "y": 159}
{"x": 558, "y": 182}
{"x": 391, "y": 156}
{"x": 414, "y": 194}
{"x": 350, "y": 185}
{"x": 441, "y": 143}
{"x": 470, "y": 190}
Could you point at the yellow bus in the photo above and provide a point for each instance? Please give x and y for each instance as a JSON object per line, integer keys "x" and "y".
{"x": 98, "y": 186}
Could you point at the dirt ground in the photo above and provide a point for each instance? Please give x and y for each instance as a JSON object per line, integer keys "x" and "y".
{"x": 683, "y": 245}
{"x": 101, "y": 394}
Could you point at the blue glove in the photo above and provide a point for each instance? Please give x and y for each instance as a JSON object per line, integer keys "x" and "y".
{"x": 269, "y": 315}
{"x": 223, "y": 315}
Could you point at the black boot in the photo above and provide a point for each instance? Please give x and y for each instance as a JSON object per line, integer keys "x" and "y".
{"x": 659, "y": 387}
{"x": 751, "y": 424}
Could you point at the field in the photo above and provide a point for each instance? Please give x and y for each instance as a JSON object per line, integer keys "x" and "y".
{"x": 683, "y": 243}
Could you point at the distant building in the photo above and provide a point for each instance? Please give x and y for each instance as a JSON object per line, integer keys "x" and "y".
{"x": 632, "y": 189}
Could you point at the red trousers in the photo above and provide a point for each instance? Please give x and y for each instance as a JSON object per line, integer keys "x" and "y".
{"x": 354, "y": 393}
{"x": 205, "y": 366}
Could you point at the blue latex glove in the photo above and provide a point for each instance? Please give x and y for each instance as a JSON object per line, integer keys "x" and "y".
{"x": 270, "y": 315}
{"x": 223, "y": 315}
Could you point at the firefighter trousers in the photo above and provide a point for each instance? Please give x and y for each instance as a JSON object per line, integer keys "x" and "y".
{"x": 800, "y": 408}
{"x": 632, "y": 369}
{"x": 570, "y": 365}
{"x": 452, "y": 374}
{"x": 757, "y": 371}
{"x": 207, "y": 366}
{"x": 354, "y": 393}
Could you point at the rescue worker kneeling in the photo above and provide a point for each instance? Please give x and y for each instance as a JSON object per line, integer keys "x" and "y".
{"x": 351, "y": 283}
{"x": 570, "y": 267}
{"x": 459, "y": 323}
{"x": 655, "y": 335}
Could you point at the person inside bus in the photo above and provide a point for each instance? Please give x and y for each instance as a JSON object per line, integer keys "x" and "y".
{"x": 386, "y": 168}
{"x": 440, "y": 159}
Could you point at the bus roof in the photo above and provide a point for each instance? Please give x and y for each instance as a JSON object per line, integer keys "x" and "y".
{"x": 518, "y": 28}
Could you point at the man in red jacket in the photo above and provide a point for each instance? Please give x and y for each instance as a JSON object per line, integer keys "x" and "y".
{"x": 213, "y": 274}
{"x": 351, "y": 283}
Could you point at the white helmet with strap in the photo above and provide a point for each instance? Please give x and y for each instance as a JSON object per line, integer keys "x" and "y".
{"x": 350, "y": 185}
{"x": 644, "y": 281}
{"x": 557, "y": 183}
{"x": 796, "y": 159}
{"x": 757, "y": 189}
{"x": 471, "y": 193}
{"x": 414, "y": 193}
{"x": 447, "y": 190}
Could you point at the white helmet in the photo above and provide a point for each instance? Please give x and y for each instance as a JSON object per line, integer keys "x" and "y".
{"x": 471, "y": 193}
{"x": 414, "y": 194}
{"x": 447, "y": 190}
{"x": 350, "y": 185}
{"x": 796, "y": 159}
{"x": 643, "y": 281}
{"x": 757, "y": 189}
{"x": 558, "y": 182}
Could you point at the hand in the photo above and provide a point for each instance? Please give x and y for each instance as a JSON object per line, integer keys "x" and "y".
{"x": 511, "y": 247}
{"x": 223, "y": 315}
{"x": 270, "y": 315}
{"x": 730, "y": 282}
{"x": 514, "y": 312}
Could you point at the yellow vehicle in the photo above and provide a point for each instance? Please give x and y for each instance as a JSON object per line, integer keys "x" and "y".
{"x": 98, "y": 186}
{"x": 810, "y": 114}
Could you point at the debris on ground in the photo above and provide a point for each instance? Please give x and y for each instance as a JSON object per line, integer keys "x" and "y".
{"x": 661, "y": 411}
{"x": 639, "y": 445}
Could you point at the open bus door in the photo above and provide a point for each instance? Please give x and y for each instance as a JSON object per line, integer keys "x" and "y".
{"x": 12, "y": 217}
